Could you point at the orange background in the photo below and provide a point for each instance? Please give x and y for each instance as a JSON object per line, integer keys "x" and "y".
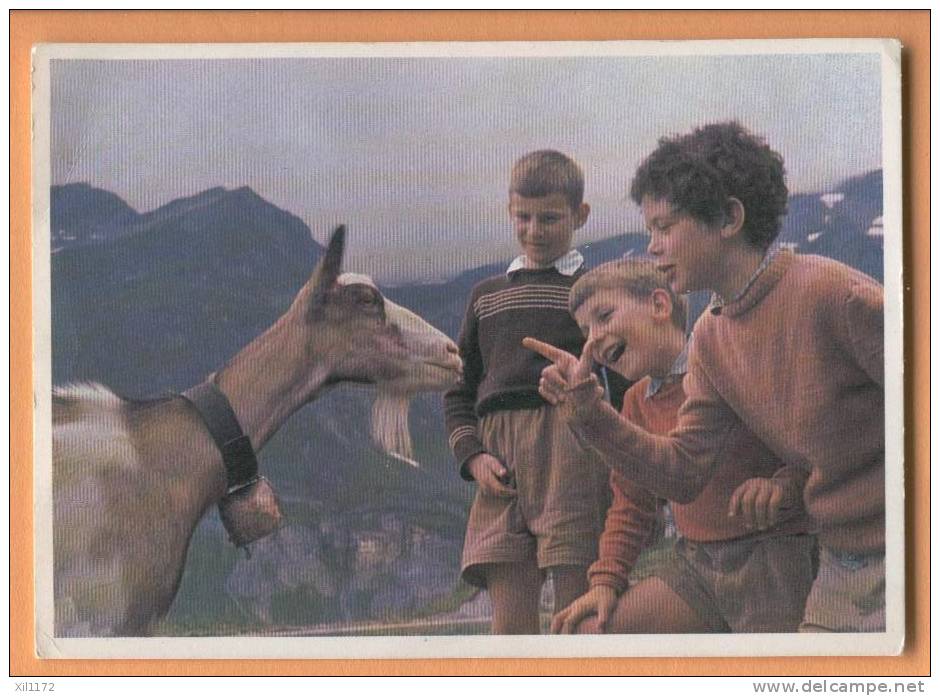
{"x": 911, "y": 27}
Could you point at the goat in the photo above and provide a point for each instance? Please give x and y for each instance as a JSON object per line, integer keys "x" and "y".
{"x": 132, "y": 479}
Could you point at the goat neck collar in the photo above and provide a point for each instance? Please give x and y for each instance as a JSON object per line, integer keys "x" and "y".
{"x": 241, "y": 465}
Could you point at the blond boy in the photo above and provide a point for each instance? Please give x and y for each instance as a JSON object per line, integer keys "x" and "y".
{"x": 744, "y": 560}
{"x": 540, "y": 500}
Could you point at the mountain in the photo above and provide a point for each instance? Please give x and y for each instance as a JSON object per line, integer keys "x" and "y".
{"x": 178, "y": 290}
{"x": 153, "y": 302}
{"x": 844, "y": 224}
{"x": 80, "y": 214}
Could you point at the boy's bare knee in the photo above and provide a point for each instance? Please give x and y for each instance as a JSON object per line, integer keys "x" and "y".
{"x": 589, "y": 626}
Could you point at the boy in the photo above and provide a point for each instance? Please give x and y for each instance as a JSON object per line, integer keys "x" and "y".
{"x": 540, "y": 501}
{"x": 744, "y": 560}
{"x": 792, "y": 348}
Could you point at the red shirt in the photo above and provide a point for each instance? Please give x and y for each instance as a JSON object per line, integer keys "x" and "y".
{"x": 632, "y": 514}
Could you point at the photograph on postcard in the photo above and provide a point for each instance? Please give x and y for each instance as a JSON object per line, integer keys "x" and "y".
{"x": 523, "y": 349}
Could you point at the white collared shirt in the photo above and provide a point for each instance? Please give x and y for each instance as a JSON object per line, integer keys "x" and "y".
{"x": 679, "y": 367}
{"x": 567, "y": 265}
{"x": 717, "y": 302}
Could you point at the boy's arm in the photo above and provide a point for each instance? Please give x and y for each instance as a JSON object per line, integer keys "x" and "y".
{"x": 460, "y": 402}
{"x": 627, "y": 529}
{"x": 862, "y": 330}
{"x": 676, "y": 466}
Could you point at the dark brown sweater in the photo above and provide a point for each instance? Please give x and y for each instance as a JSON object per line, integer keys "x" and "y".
{"x": 799, "y": 361}
{"x": 499, "y": 373}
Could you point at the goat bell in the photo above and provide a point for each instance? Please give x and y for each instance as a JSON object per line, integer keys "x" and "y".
{"x": 251, "y": 512}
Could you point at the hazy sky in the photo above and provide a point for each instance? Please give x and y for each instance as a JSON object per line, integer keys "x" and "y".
{"x": 413, "y": 153}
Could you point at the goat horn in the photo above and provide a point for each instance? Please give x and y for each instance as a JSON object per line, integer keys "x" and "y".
{"x": 329, "y": 268}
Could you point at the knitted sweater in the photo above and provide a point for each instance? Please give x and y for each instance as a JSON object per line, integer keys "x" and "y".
{"x": 499, "y": 373}
{"x": 632, "y": 514}
{"x": 799, "y": 361}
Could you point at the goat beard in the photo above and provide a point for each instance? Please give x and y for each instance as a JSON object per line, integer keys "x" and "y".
{"x": 390, "y": 424}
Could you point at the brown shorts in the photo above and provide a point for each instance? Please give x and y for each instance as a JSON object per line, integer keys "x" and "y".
{"x": 848, "y": 595}
{"x": 750, "y": 585}
{"x": 563, "y": 495}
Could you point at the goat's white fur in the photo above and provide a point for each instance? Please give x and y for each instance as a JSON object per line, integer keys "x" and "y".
{"x": 390, "y": 429}
{"x": 95, "y": 433}
{"x": 390, "y": 424}
{"x": 355, "y": 278}
{"x": 97, "y": 428}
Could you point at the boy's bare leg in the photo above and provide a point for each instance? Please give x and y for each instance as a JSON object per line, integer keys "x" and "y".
{"x": 514, "y": 590}
{"x": 569, "y": 582}
{"x": 649, "y": 607}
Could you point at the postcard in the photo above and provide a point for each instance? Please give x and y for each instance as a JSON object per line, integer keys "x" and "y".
{"x": 283, "y": 405}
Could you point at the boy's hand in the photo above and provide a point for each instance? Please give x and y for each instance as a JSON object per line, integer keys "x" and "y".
{"x": 491, "y": 475}
{"x": 600, "y": 600}
{"x": 759, "y": 501}
{"x": 566, "y": 371}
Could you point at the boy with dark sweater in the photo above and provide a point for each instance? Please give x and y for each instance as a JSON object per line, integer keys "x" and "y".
{"x": 743, "y": 561}
{"x": 792, "y": 348}
{"x": 540, "y": 499}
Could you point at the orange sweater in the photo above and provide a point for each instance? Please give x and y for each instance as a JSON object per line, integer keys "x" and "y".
{"x": 632, "y": 514}
{"x": 799, "y": 361}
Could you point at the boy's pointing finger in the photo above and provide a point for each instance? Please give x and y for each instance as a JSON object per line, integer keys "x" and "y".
{"x": 586, "y": 361}
{"x": 547, "y": 350}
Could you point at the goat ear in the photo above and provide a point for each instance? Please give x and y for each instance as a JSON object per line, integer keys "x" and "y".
{"x": 327, "y": 271}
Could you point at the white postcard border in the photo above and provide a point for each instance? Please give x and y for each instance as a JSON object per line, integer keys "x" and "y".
{"x": 890, "y": 642}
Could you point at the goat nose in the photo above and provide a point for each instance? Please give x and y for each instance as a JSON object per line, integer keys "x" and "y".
{"x": 452, "y": 355}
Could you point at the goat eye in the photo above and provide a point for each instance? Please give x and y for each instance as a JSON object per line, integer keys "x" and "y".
{"x": 368, "y": 297}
